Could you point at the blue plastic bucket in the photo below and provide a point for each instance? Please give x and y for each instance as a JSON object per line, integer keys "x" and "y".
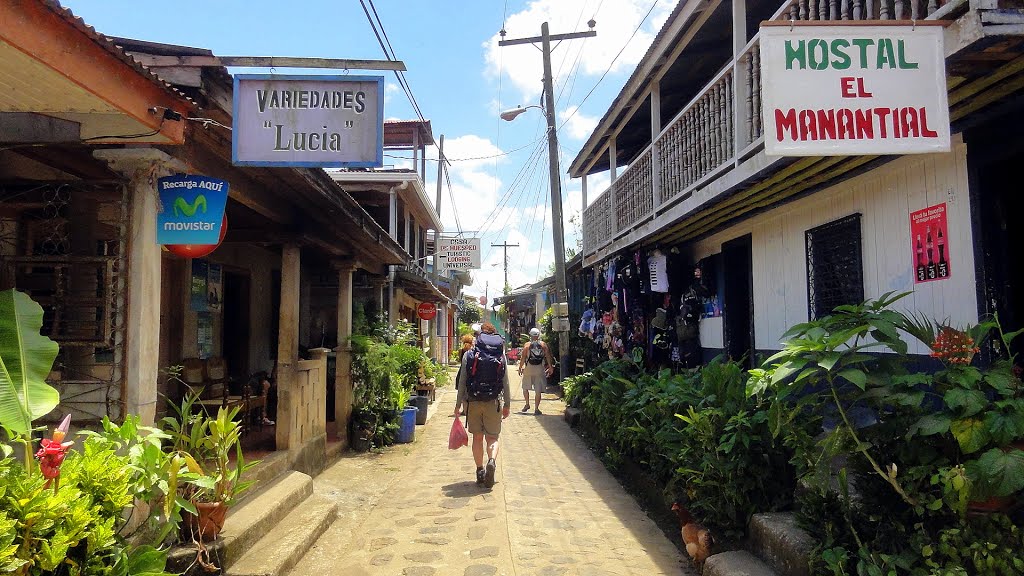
{"x": 407, "y": 428}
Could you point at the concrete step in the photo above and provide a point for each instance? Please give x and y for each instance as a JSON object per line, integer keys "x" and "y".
{"x": 264, "y": 506}
{"x": 287, "y": 541}
{"x": 249, "y": 521}
{"x": 269, "y": 469}
{"x": 776, "y": 539}
{"x": 736, "y": 563}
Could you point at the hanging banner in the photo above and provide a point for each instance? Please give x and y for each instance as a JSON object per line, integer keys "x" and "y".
{"x": 308, "y": 121}
{"x": 198, "y": 297}
{"x": 192, "y": 209}
{"x": 215, "y": 288}
{"x": 853, "y": 90}
{"x": 928, "y": 233}
{"x": 459, "y": 253}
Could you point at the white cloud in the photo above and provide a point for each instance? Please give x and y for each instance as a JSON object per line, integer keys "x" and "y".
{"x": 615, "y": 23}
{"x": 578, "y": 126}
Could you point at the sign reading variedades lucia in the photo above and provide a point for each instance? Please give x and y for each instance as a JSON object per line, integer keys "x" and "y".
{"x": 308, "y": 121}
{"x": 459, "y": 253}
{"x": 853, "y": 90}
{"x": 192, "y": 209}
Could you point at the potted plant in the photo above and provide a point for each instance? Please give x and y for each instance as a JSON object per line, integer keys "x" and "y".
{"x": 213, "y": 483}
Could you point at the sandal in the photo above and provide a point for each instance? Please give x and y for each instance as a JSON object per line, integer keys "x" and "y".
{"x": 526, "y": 408}
{"x": 537, "y": 412}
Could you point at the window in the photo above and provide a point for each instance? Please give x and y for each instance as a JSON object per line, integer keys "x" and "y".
{"x": 835, "y": 271}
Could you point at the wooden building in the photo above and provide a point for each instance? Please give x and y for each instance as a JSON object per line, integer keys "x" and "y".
{"x": 684, "y": 146}
{"x": 95, "y": 123}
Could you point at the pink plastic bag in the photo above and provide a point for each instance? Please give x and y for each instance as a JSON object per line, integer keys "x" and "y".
{"x": 458, "y": 436}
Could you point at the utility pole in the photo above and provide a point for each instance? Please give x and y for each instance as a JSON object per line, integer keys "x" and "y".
{"x": 561, "y": 294}
{"x": 434, "y": 326}
{"x": 505, "y": 246}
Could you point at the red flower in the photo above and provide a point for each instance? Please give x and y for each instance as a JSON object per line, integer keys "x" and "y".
{"x": 53, "y": 451}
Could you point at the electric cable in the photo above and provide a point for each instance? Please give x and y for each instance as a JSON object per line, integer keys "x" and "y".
{"x": 612, "y": 64}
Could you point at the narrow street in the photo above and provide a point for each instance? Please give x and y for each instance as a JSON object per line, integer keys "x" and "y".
{"x": 554, "y": 509}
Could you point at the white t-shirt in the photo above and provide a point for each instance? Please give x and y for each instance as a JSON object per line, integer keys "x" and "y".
{"x": 659, "y": 273}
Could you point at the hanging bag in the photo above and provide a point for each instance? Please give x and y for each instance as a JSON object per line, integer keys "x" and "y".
{"x": 458, "y": 437}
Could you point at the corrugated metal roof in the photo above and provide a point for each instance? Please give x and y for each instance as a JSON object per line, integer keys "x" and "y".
{"x": 108, "y": 44}
{"x": 399, "y": 133}
{"x": 654, "y": 51}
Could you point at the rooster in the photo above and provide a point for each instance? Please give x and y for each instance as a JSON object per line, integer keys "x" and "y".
{"x": 696, "y": 537}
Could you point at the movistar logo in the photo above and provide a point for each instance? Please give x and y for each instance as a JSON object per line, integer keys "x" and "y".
{"x": 189, "y": 210}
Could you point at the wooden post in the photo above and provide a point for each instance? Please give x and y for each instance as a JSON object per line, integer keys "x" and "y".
{"x": 343, "y": 366}
{"x": 142, "y": 348}
{"x": 287, "y": 342}
{"x": 655, "y": 152}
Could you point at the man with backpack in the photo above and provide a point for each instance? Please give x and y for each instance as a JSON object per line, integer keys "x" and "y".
{"x": 535, "y": 366}
{"x": 482, "y": 383}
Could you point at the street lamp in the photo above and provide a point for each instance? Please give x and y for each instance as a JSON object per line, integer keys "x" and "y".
{"x": 561, "y": 294}
{"x": 510, "y": 115}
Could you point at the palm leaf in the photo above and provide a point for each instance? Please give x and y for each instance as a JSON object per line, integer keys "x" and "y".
{"x": 26, "y": 358}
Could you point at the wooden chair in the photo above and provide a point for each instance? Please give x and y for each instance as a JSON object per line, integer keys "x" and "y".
{"x": 254, "y": 401}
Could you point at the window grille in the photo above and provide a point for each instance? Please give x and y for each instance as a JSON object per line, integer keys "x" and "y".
{"x": 835, "y": 271}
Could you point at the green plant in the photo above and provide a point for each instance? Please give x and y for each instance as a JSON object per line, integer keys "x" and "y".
{"x": 74, "y": 529}
{"x": 154, "y": 472}
{"x": 217, "y": 479}
{"x": 26, "y": 358}
{"x": 982, "y": 408}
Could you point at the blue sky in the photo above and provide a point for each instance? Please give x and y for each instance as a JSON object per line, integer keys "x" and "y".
{"x": 460, "y": 78}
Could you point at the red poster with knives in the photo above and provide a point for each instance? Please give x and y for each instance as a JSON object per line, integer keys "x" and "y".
{"x": 929, "y": 233}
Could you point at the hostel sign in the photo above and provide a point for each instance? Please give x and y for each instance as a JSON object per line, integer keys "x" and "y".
{"x": 192, "y": 209}
{"x": 308, "y": 121}
{"x": 459, "y": 253}
{"x": 853, "y": 90}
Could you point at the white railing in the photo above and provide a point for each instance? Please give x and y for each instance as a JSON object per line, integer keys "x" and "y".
{"x": 699, "y": 139}
{"x": 632, "y": 192}
{"x": 859, "y": 9}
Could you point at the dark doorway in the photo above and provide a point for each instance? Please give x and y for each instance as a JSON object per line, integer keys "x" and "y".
{"x": 738, "y": 302}
{"x": 995, "y": 154}
{"x": 236, "y": 325}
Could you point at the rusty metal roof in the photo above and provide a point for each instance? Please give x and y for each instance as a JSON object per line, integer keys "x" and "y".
{"x": 400, "y": 133}
{"x": 107, "y": 44}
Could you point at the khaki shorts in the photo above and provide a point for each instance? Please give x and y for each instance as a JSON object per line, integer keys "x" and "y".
{"x": 534, "y": 379}
{"x": 484, "y": 418}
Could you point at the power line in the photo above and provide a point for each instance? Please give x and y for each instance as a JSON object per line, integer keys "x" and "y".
{"x": 611, "y": 65}
{"x": 385, "y": 44}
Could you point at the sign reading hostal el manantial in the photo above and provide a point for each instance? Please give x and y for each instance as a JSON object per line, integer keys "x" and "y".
{"x": 853, "y": 90}
{"x": 308, "y": 121}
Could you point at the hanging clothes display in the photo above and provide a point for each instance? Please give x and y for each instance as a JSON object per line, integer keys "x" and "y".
{"x": 657, "y": 264}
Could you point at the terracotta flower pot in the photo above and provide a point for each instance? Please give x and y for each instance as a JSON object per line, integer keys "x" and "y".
{"x": 207, "y": 524}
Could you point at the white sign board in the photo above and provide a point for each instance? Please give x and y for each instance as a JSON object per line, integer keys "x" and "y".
{"x": 853, "y": 90}
{"x": 459, "y": 253}
{"x": 308, "y": 121}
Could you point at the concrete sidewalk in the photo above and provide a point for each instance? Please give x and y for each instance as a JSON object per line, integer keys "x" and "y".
{"x": 554, "y": 509}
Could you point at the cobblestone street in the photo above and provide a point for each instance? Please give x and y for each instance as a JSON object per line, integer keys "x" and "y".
{"x": 554, "y": 509}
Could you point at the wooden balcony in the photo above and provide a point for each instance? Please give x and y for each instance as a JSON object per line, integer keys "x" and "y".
{"x": 714, "y": 145}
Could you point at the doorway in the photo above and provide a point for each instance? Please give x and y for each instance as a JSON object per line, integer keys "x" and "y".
{"x": 995, "y": 153}
{"x": 738, "y": 302}
{"x": 236, "y": 324}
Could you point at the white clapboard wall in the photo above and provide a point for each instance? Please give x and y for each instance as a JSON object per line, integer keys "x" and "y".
{"x": 885, "y": 197}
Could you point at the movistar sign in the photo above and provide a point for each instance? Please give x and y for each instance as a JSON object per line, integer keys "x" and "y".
{"x": 192, "y": 209}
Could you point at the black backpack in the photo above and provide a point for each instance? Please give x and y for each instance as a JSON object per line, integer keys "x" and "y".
{"x": 486, "y": 365}
{"x": 536, "y": 355}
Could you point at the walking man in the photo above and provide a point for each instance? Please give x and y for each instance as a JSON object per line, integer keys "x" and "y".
{"x": 535, "y": 366}
{"x": 482, "y": 385}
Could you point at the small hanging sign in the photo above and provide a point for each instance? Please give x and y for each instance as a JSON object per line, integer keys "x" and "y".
{"x": 192, "y": 209}
{"x": 929, "y": 233}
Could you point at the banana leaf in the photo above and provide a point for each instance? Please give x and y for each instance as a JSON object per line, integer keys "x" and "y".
{"x": 26, "y": 358}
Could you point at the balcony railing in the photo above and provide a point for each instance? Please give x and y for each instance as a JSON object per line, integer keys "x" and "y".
{"x": 720, "y": 127}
